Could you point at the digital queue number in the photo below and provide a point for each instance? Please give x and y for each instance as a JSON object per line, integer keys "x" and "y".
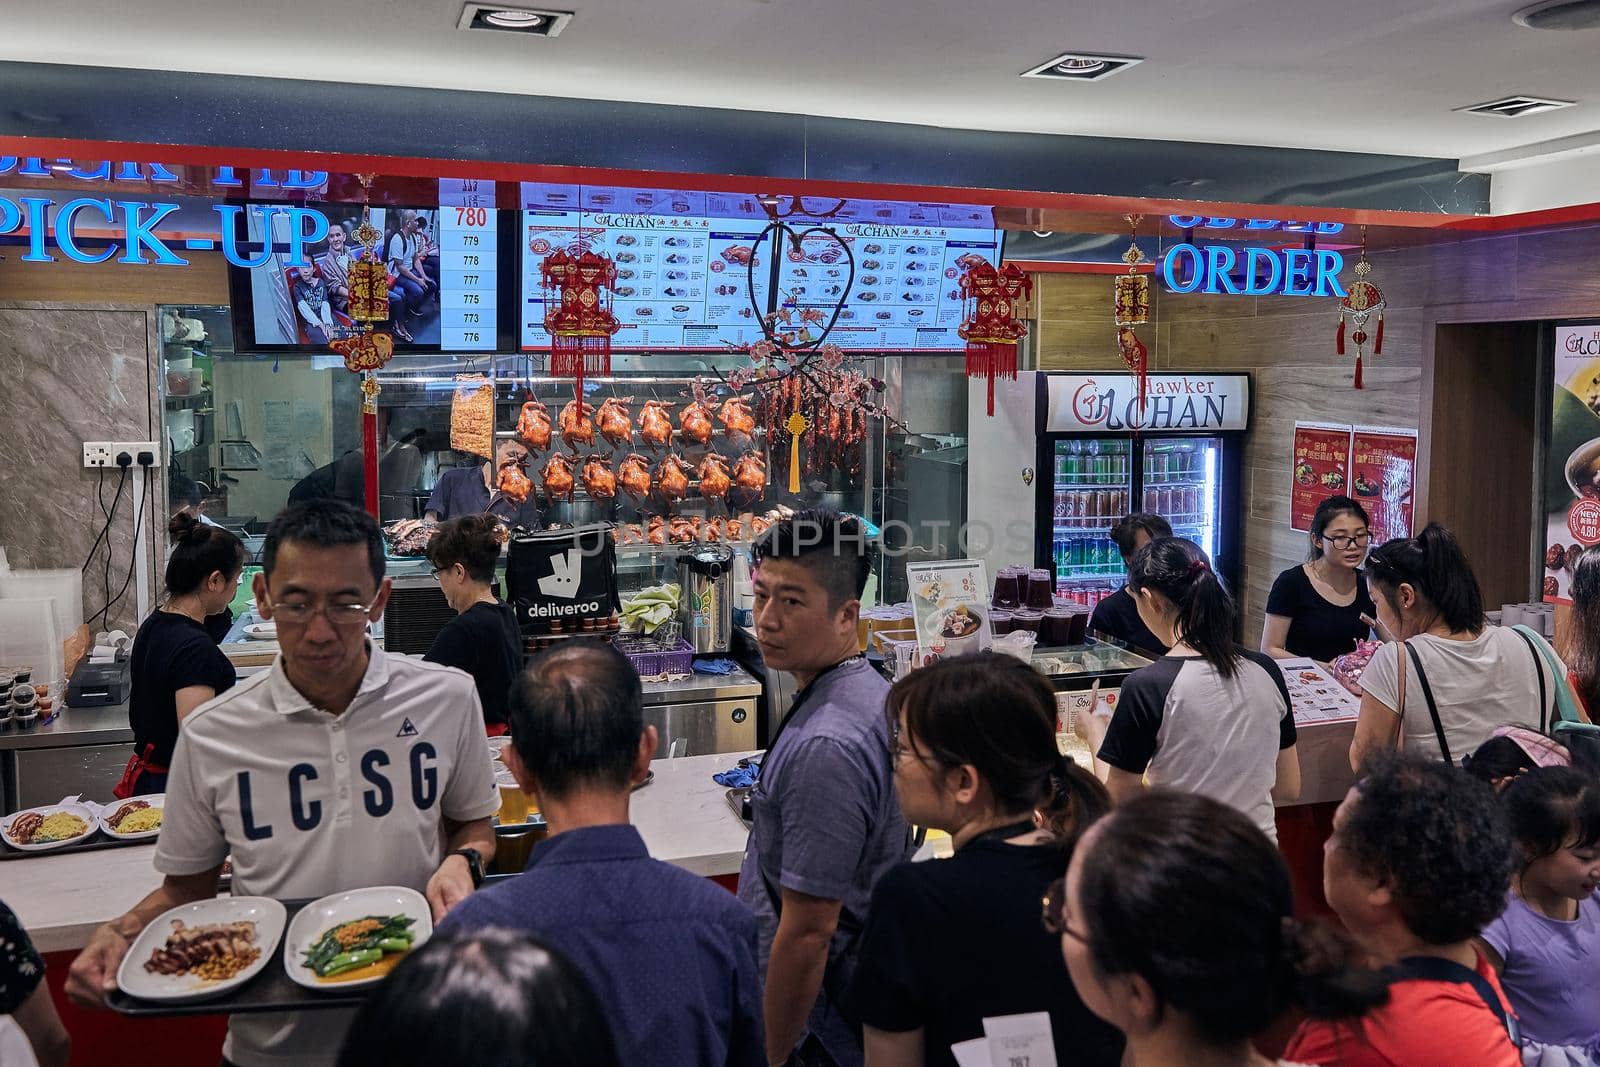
{"x": 468, "y": 262}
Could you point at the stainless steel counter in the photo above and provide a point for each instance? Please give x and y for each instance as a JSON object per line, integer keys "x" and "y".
{"x": 75, "y": 726}
{"x": 83, "y": 751}
{"x": 699, "y": 687}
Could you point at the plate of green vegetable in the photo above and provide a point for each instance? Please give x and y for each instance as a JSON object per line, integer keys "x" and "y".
{"x": 350, "y": 940}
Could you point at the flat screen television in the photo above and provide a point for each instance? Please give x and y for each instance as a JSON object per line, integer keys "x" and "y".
{"x": 443, "y": 263}
{"x": 684, "y": 277}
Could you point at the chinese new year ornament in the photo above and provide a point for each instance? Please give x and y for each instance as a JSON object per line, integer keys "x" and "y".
{"x": 1363, "y": 302}
{"x": 1130, "y": 308}
{"x": 578, "y": 283}
{"x": 994, "y": 305}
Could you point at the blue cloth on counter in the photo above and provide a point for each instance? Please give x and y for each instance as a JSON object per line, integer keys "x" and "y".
{"x": 738, "y": 778}
{"x": 715, "y": 666}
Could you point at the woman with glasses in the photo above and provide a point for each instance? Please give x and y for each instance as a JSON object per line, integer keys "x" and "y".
{"x": 1177, "y": 924}
{"x": 1446, "y": 678}
{"x": 176, "y": 665}
{"x": 483, "y": 639}
{"x": 952, "y": 942}
{"x": 1320, "y": 609}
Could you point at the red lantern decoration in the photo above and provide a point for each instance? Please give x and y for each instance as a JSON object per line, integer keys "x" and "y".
{"x": 577, "y": 293}
{"x": 993, "y": 305}
{"x": 1364, "y": 301}
{"x": 1131, "y": 308}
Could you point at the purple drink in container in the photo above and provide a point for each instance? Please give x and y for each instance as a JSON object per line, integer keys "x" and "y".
{"x": 1000, "y": 622}
{"x": 1007, "y": 591}
{"x": 1040, "y": 595}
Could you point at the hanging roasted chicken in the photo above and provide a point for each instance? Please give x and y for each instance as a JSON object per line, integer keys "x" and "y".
{"x": 533, "y": 426}
{"x": 672, "y": 479}
{"x": 714, "y": 480}
{"x": 656, "y": 530}
{"x": 634, "y": 475}
{"x": 695, "y": 422}
{"x": 655, "y": 424}
{"x": 750, "y": 473}
{"x": 598, "y": 478}
{"x": 616, "y": 422}
{"x": 680, "y": 531}
{"x": 557, "y": 477}
{"x": 513, "y": 482}
{"x": 577, "y": 428}
{"x": 736, "y": 416}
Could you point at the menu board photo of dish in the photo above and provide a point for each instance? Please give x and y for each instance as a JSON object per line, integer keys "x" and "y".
{"x": 691, "y": 277}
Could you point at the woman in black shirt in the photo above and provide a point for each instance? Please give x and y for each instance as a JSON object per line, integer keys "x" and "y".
{"x": 1321, "y": 609}
{"x": 176, "y": 665}
{"x": 1117, "y": 615}
{"x": 483, "y": 639}
{"x": 949, "y": 943}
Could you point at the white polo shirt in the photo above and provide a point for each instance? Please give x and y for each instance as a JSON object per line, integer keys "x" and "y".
{"x": 310, "y": 803}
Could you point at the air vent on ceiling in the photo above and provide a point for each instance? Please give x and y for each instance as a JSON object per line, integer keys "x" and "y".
{"x": 1082, "y": 67}
{"x": 527, "y": 21}
{"x": 1560, "y": 15}
{"x": 1515, "y": 107}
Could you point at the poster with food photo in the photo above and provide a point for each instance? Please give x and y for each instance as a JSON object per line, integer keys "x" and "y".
{"x": 1572, "y": 466}
{"x": 1383, "y": 465}
{"x": 950, "y": 606}
{"x": 1321, "y": 469}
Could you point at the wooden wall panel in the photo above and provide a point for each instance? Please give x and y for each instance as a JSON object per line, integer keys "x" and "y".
{"x": 203, "y": 281}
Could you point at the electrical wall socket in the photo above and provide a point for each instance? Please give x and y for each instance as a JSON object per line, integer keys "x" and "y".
{"x": 104, "y": 453}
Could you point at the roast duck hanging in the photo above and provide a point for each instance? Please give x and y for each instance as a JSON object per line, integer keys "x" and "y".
{"x": 533, "y": 426}
{"x": 577, "y": 428}
{"x": 655, "y": 424}
{"x": 672, "y": 479}
{"x": 750, "y": 473}
{"x": 598, "y": 478}
{"x": 513, "y": 482}
{"x": 695, "y": 422}
{"x": 633, "y": 473}
{"x": 616, "y": 422}
{"x": 557, "y": 477}
{"x": 735, "y": 415}
{"x": 714, "y": 480}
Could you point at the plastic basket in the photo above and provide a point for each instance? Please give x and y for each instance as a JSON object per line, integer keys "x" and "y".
{"x": 652, "y": 660}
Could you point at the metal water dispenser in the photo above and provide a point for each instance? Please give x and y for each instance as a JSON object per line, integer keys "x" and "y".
{"x": 706, "y": 575}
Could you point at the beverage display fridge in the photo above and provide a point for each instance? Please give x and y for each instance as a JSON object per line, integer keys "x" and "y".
{"x": 1076, "y": 452}
{"x": 1179, "y": 458}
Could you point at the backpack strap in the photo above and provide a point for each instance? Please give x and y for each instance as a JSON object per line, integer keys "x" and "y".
{"x": 1538, "y": 672}
{"x": 1438, "y": 969}
{"x": 1433, "y": 708}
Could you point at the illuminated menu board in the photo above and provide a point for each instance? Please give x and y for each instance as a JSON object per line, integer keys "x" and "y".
{"x": 687, "y": 266}
{"x": 468, "y": 274}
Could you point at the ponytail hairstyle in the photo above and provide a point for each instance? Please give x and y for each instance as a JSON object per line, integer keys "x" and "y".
{"x": 1583, "y": 651}
{"x": 1207, "y": 619}
{"x": 998, "y": 714}
{"x": 200, "y": 550}
{"x": 1552, "y": 808}
{"x": 474, "y": 541}
{"x": 1189, "y": 894}
{"x": 1331, "y": 508}
{"x": 1433, "y": 564}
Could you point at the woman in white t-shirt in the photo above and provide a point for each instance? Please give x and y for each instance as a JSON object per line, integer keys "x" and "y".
{"x": 1477, "y": 676}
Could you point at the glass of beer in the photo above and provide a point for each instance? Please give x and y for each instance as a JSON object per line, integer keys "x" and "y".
{"x": 515, "y": 805}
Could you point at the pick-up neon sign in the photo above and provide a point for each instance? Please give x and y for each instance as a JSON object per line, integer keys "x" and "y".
{"x": 134, "y": 223}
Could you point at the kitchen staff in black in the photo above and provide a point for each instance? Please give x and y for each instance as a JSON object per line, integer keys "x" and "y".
{"x": 1321, "y": 609}
{"x": 1118, "y": 615}
{"x": 473, "y": 491}
{"x": 176, "y": 665}
{"x": 483, "y": 639}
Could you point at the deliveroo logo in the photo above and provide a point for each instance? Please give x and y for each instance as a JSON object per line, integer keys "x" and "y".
{"x": 563, "y": 579}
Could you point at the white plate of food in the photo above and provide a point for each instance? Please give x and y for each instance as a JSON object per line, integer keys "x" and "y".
{"x": 201, "y": 950}
{"x": 350, "y": 940}
{"x": 49, "y": 826}
{"x": 261, "y": 631}
{"x": 134, "y": 819}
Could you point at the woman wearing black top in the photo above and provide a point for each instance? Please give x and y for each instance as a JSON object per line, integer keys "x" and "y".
{"x": 1321, "y": 609}
{"x": 176, "y": 665}
{"x": 952, "y": 942}
{"x": 483, "y": 639}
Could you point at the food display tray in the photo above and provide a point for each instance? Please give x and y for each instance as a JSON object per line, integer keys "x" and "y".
{"x": 271, "y": 990}
{"x": 90, "y": 843}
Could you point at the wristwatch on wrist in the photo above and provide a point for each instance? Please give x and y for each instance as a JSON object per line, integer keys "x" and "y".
{"x": 474, "y": 864}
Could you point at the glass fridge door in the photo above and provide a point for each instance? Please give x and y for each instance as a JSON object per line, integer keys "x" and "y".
{"x": 1182, "y": 482}
{"x": 1093, "y": 487}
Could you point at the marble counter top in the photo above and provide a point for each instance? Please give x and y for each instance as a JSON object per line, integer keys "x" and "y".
{"x": 682, "y": 815}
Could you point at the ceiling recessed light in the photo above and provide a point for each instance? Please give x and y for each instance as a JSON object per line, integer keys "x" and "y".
{"x": 1515, "y": 107}
{"x": 527, "y": 21}
{"x": 1082, "y": 66}
{"x": 1560, "y": 15}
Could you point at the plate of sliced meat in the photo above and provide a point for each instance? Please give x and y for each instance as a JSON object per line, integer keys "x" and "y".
{"x": 204, "y": 949}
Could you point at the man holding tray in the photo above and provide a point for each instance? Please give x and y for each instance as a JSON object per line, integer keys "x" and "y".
{"x": 340, "y": 767}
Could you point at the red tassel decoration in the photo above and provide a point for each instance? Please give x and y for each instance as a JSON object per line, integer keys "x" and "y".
{"x": 1358, "y": 372}
{"x": 1377, "y": 342}
{"x": 1339, "y": 338}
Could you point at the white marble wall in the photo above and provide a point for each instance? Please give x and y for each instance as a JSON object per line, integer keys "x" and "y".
{"x": 71, "y": 373}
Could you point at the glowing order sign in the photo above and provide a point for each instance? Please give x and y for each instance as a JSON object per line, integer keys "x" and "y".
{"x": 134, "y": 223}
{"x": 1250, "y": 270}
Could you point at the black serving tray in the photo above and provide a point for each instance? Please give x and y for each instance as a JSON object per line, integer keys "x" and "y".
{"x": 88, "y": 843}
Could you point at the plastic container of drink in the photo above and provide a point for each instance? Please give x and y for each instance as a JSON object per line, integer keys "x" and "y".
{"x": 1026, "y": 619}
{"x": 1006, "y": 591}
{"x": 1040, "y": 595}
{"x": 1000, "y": 622}
{"x": 1055, "y": 628}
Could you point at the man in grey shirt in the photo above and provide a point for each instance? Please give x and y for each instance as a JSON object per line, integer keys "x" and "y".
{"x": 826, "y": 822}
